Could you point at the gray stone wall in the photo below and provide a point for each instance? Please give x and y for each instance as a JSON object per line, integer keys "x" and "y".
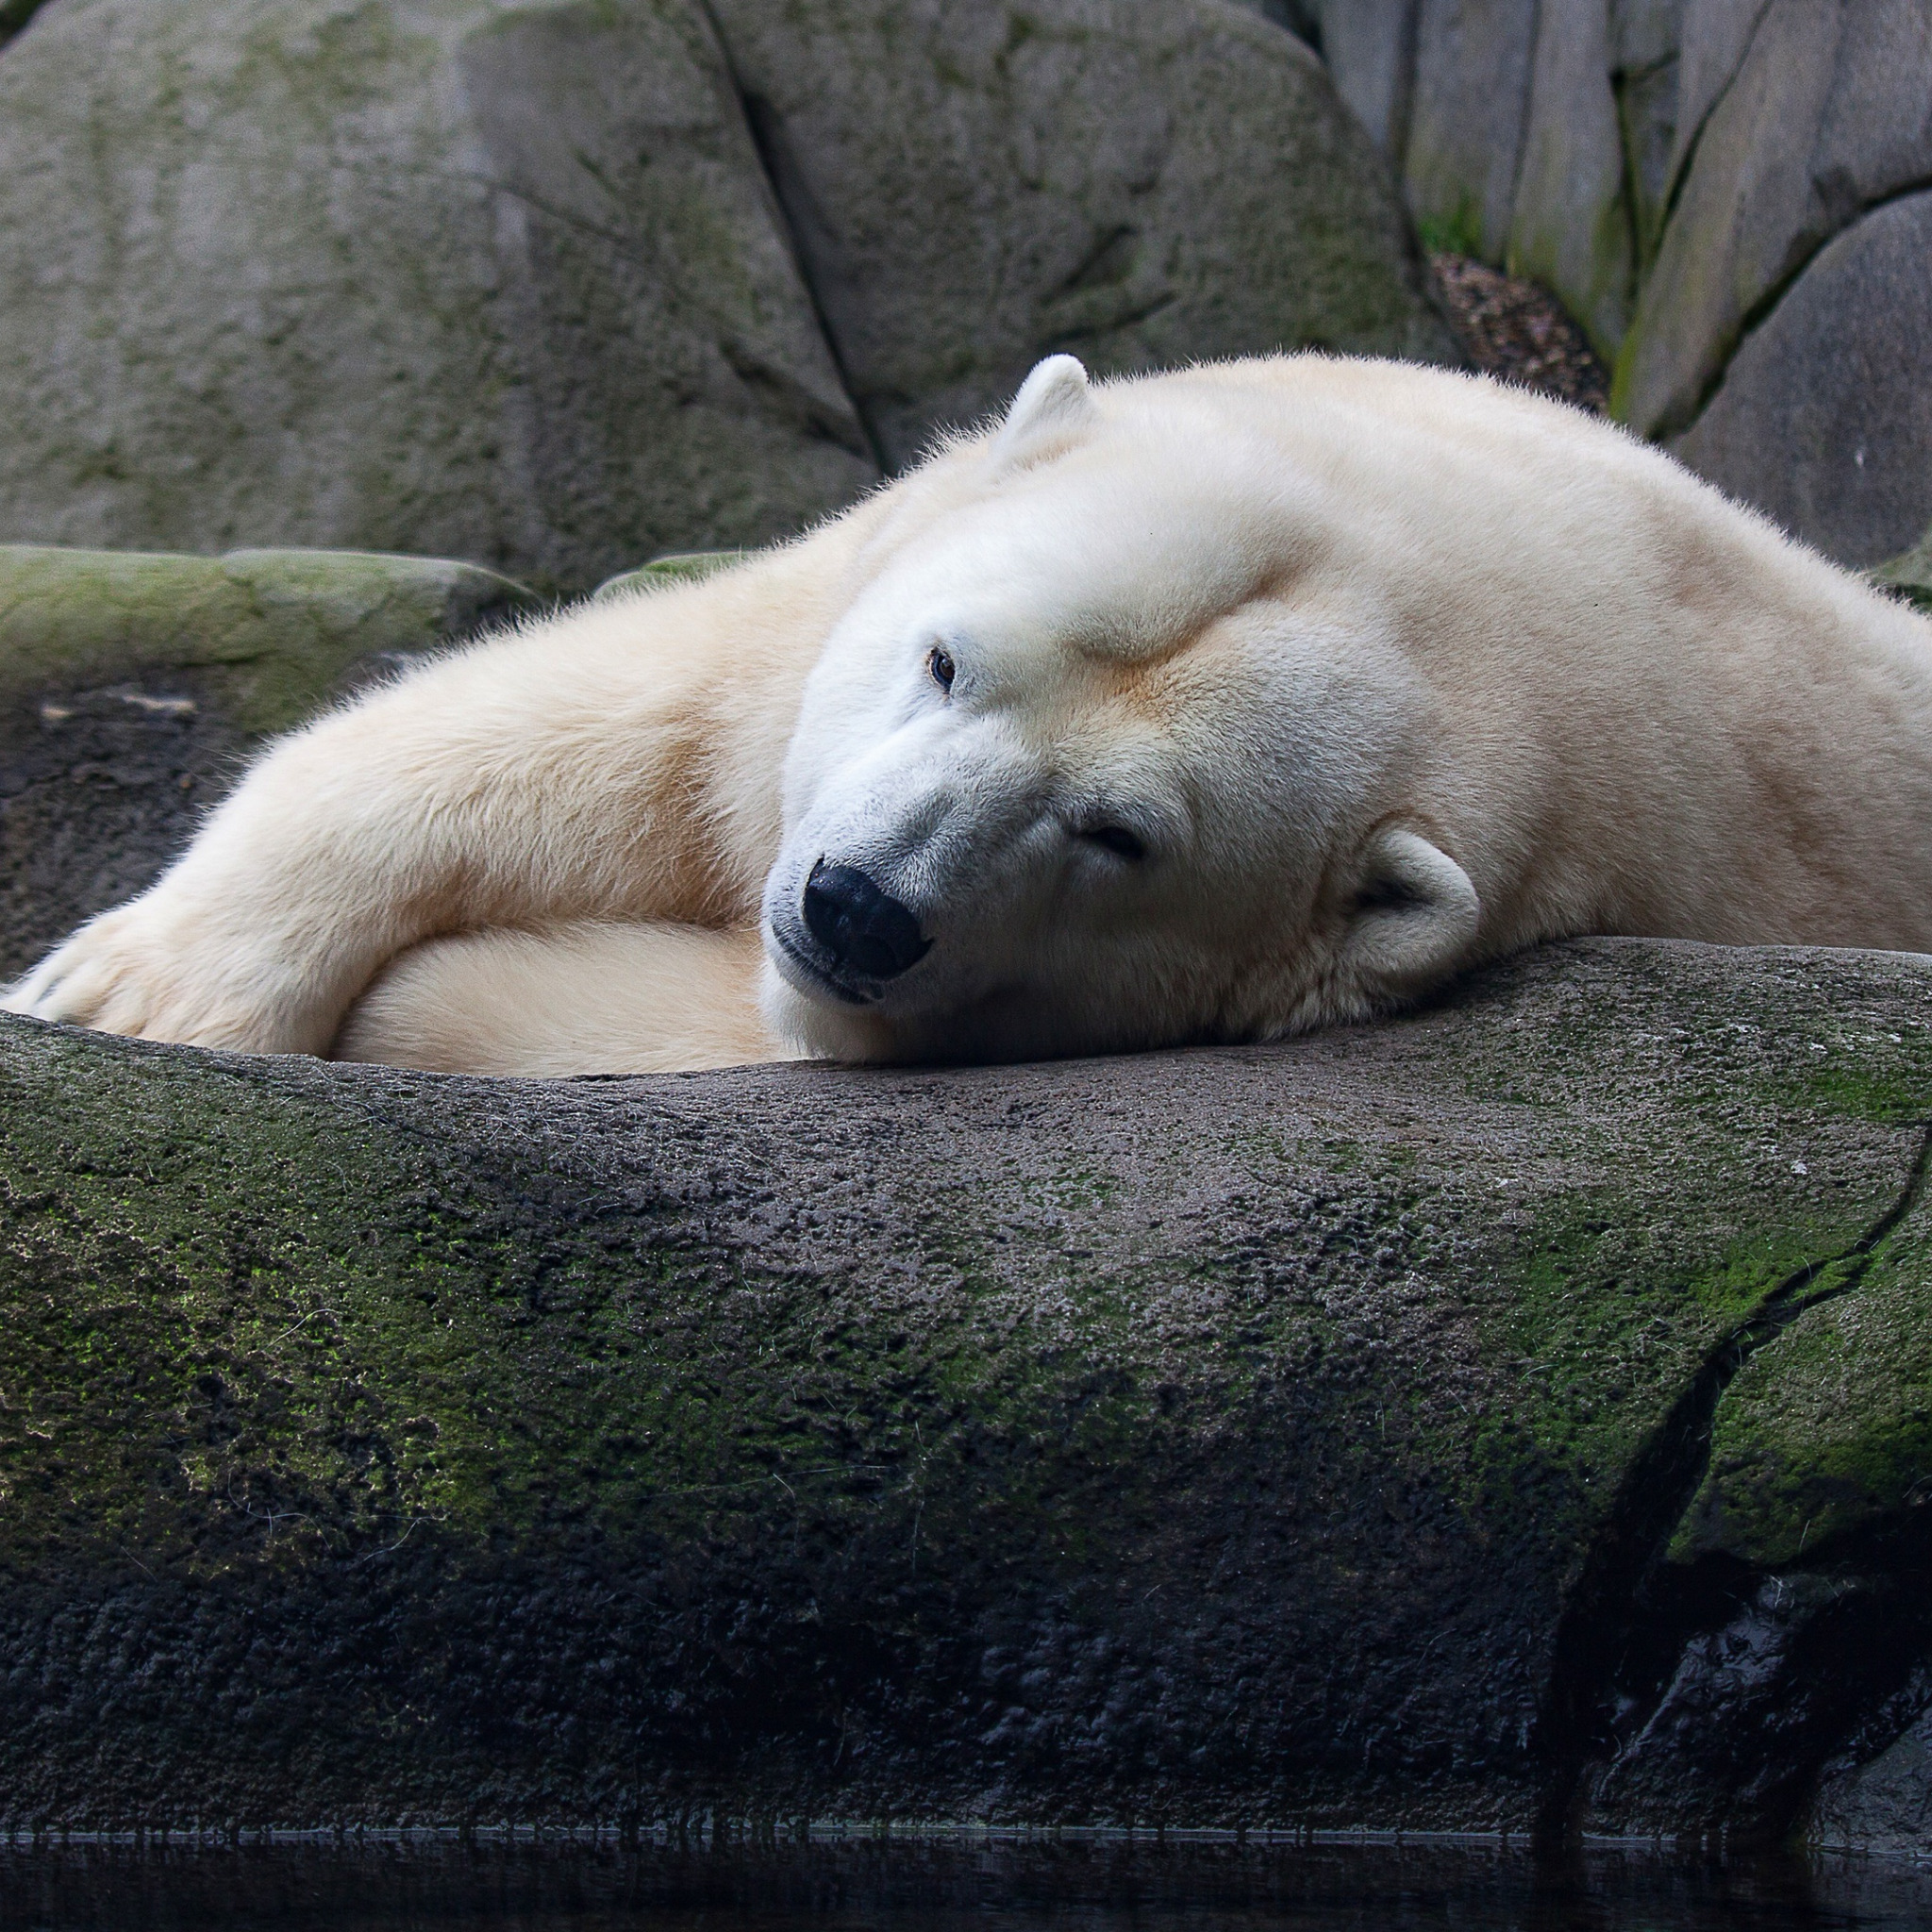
{"x": 1733, "y": 196}
{"x": 553, "y": 287}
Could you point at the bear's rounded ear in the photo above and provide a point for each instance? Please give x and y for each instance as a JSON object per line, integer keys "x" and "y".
{"x": 1414, "y": 914}
{"x": 1054, "y": 405}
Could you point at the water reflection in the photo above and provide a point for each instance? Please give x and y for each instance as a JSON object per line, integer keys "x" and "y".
{"x": 864, "y": 1885}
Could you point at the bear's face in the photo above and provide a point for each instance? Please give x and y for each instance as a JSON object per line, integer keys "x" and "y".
{"x": 1098, "y": 760}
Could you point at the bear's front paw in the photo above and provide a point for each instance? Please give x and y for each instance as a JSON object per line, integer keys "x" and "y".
{"x": 154, "y": 970}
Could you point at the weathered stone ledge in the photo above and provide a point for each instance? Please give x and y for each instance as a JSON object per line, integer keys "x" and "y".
{"x": 1511, "y": 1416}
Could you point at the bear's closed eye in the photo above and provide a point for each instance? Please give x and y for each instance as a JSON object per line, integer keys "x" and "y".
{"x": 1116, "y": 838}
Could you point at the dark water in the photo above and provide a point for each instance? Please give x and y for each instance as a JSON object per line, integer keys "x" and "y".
{"x": 869, "y": 1885}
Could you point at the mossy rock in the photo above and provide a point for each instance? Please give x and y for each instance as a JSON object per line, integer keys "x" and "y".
{"x": 270, "y": 632}
{"x": 1276, "y": 1435}
{"x": 133, "y": 685}
{"x": 1909, "y": 576}
{"x": 678, "y": 567}
{"x": 1828, "y": 1428}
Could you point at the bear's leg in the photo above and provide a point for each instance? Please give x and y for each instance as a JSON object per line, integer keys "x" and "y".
{"x": 588, "y": 997}
{"x": 619, "y": 762}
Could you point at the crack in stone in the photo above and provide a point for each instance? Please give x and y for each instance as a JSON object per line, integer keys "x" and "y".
{"x": 762, "y": 125}
{"x": 1603, "y": 1612}
{"x": 1674, "y": 189}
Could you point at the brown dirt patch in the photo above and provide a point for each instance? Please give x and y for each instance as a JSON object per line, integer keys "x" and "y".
{"x": 1519, "y": 331}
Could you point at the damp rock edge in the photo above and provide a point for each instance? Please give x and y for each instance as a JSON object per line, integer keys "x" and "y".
{"x": 1290, "y": 1436}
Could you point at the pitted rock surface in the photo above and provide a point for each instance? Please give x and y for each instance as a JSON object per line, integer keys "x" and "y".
{"x": 1265, "y": 1435}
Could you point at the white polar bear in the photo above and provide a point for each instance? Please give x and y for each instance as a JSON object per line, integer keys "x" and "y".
{"x": 1204, "y": 705}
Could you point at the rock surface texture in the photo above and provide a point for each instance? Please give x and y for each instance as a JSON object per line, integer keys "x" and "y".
{"x": 1730, "y": 195}
{"x": 1824, "y": 414}
{"x": 972, "y": 185}
{"x": 554, "y": 287}
{"x": 132, "y": 687}
{"x": 1513, "y": 1415}
{"x": 467, "y": 279}
{"x": 1469, "y": 100}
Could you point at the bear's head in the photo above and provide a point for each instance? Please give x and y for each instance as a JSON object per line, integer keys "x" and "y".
{"x": 1109, "y": 751}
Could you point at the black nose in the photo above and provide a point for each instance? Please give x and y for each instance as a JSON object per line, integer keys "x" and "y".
{"x": 858, "y": 924}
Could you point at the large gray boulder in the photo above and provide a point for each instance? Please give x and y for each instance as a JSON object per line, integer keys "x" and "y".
{"x": 971, "y": 187}
{"x": 1513, "y": 1414}
{"x": 1824, "y": 417}
{"x": 448, "y": 276}
{"x": 1826, "y": 114}
{"x": 511, "y": 282}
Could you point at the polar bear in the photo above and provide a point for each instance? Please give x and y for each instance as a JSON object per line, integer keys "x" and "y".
{"x": 1204, "y": 705}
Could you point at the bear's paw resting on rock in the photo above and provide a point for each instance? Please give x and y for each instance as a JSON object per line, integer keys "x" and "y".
{"x": 1204, "y": 705}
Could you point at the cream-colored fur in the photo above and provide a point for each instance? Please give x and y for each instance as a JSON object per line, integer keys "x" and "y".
{"x": 644, "y": 998}
{"x": 1279, "y": 692}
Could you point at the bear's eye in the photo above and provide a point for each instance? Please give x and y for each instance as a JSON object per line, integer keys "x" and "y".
{"x": 1117, "y": 840}
{"x": 939, "y": 665}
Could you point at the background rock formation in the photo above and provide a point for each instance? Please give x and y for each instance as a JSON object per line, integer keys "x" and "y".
{"x": 1731, "y": 196}
{"x": 557, "y": 287}
{"x": 553, "y": 287}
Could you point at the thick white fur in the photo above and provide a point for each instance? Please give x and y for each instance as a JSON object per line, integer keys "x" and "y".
{"x": 1389, "y": 669}
{"x": 643, "y": 998}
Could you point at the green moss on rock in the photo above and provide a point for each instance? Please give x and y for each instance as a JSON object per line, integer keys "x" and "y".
{"x": 133, "y": 686}
{"x": 278, "y": 629}
{"x": 1827, "y": 1429}
{"x": 679, "y": 566}
{"x": 1910, "y": 576}
{"x": 1202, "y": 1438}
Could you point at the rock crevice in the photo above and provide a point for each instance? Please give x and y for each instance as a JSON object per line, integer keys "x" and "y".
{"x": 1585, "y": 1722}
